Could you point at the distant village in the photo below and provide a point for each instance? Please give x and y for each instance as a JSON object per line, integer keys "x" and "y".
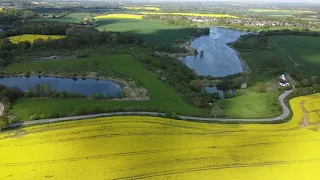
{"x": 251, "y": 22}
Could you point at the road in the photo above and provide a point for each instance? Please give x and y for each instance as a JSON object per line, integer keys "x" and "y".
{"x": 44, "y": 121}
{"x": 1, "y": 109}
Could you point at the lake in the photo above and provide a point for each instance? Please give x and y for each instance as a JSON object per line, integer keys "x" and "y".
{"x": 219, "y": 59}
{"x": 83, "y": 86}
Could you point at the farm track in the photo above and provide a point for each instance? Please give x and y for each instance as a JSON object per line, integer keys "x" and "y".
{"x": 285, "y": 114}
{"x": 159, "y": 174}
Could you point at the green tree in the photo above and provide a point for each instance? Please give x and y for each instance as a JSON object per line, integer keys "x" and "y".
{"x": 201, "y": 53}
{"x": 37, "y": 90}
{"x": 47, "y": 90}
{"x": 304, "y": 82}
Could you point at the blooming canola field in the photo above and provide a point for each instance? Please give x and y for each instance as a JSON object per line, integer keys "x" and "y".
{"x": 32, "y": 37}
{"x": 189, "y": 14}
{"x": 158, "y": 148}
{"x": 120, "y": 16}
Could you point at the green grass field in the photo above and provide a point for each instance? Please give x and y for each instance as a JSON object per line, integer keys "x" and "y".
{"x": 163, "y": 98}
{"x": 258, "y": 61}
{"x": 152, "y": 31}
{"x": 252, "y": 105}
{"x": 301, "y": 52}
{"x": 71, "y": 18}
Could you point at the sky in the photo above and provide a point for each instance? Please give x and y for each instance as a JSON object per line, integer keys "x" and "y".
{"x": 284, "y": 1}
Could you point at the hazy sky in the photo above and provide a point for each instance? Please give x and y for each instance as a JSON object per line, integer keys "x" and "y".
{"x": 285, "y": 1}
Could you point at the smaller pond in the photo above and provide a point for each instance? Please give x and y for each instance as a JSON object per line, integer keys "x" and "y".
{"x": 216, "y": 90}
{"x": 86, "y": 87}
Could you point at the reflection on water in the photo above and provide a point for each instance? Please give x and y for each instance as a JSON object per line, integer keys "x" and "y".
{"x": 219, "y": 59}
{"x": 82, "y": 86}
{"x": 214, "y": 90}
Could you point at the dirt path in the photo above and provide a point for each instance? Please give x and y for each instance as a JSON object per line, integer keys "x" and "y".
{"x": 305, "y": 121}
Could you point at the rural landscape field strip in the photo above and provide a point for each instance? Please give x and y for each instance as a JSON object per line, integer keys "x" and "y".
{"x": 158, "y": 148}
{"x": 188, "y": 14}
{"x": 281, "y": 117}
{"x": 115, "y": 16}
{"x": 290, "y": 51}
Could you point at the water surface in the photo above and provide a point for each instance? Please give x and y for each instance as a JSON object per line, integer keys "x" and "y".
{"x": 219, "y": 59}
{"x": 83, "y": 86}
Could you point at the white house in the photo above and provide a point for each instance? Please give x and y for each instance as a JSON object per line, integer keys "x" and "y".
{"x": 283, "y": 77}
{"x": 284, "y": 84}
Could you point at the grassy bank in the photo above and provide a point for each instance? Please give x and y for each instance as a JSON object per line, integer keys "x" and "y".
{"x": 252, "y": 104}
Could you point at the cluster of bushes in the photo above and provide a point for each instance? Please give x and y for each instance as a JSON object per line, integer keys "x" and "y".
{"x": 46, "y": 28}
{"x": 7, "y": 96}
{"x": 305, "y": 32}
{"x": 45, "y": 90}
{"x": 169, "y": 49}
{"x": 179, "y": 77}
{"x": 10, "y": 16}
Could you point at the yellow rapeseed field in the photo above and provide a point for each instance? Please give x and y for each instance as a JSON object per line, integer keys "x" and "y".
{"x": 189, "y": 14}
{"x": 116, "y": 16}
{"x": 32, "y": 37}
{"x": 157, "y": 148}
{"x": 142, "y": 8}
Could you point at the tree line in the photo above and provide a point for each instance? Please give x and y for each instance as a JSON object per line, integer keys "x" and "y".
{"x": 76, "y": 37}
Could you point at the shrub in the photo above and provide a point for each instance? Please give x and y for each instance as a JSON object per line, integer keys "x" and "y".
{"x": 109, "y": 96}
{"x": 28, "y": 95}
{"x": 261, "y": 88}
{"x": 4, "y": 121}
{"x": 288, "y": 88}
{"x": 316, "y": 88}
{"x": 96, "y": 110}
{"x": 53, "y": 115}
{"x": 27, "y": 74}
{"x": 174, "y": 115}
{"x": 227, "y": 95}
{"x": 79, "y": 111}
{"x": 33, "y": 117}
{"x": 99, "y": 96}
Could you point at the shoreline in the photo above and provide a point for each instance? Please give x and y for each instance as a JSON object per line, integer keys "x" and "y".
{"x": 124, "y": 85}
{"x": 243, "y": 63}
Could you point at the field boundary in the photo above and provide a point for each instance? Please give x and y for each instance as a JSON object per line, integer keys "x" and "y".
{"x": 282, "y": 97}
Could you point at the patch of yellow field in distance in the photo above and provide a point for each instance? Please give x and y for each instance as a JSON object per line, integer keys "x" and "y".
{"x": 190, "y": 14}
{"x": 159, "y": 148}
{"x": 142, "y": 8}
{"x": 32, "y": 37}
{"x": 116, "y": 16}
